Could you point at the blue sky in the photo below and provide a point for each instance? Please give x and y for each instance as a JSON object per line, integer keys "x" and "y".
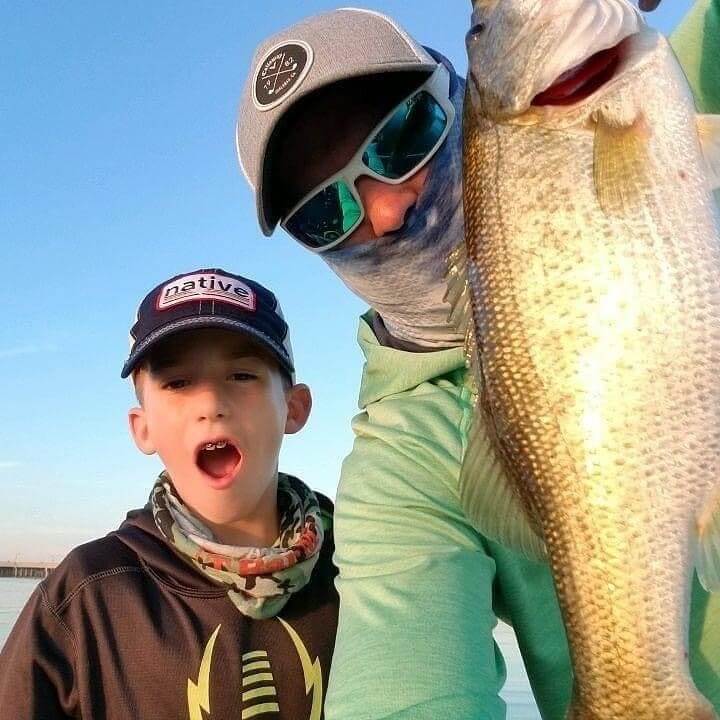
{"x": 116, "y": 139}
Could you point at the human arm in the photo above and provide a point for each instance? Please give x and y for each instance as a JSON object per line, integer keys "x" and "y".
{"x": 37, "y": 666}
{"x": 415, "y": 628}
{"x": 696, "y": 42}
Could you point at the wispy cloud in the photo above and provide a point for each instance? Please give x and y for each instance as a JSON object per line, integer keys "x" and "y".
{"x": 9, "y": 464}
{"x": 26, "y": 350}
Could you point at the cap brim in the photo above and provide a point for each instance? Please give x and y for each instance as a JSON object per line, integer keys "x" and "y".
{"x": 143, "y": 348}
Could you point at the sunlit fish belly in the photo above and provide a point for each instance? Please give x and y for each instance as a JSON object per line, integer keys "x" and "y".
{"x": 599, "y": 347}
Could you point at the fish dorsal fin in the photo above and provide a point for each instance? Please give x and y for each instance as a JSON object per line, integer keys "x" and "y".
{"x": 620, "y": 164}
{"x": 708, "y": 548}
{"x": 708, "y": 127}
{"x": 487, "y": 495}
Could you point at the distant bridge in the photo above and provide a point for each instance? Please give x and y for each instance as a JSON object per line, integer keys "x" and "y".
{"x": 22, "y": 569}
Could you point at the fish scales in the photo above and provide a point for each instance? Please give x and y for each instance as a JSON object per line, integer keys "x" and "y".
{"x": 598, "y": 344}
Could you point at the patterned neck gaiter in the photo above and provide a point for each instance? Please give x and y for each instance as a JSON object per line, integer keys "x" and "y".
{"x": 402, "y": 275}
{"x": 259, "y": 581}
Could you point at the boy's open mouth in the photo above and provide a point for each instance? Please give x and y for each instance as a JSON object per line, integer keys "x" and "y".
{"x": 218, "y": 458}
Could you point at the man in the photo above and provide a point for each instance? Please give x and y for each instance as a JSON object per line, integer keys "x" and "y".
{"x": 349, "y": 132}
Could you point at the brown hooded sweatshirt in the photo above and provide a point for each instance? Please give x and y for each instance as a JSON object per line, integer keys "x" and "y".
{"x": 126, "y": 628}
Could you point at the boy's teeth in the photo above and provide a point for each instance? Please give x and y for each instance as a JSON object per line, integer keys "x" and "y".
{"x": 216, "y": 446}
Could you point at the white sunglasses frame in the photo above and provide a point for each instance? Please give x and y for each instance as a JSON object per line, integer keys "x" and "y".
{"x": 438, "y": 86}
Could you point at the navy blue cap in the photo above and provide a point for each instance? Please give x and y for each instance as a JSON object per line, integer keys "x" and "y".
{"x": 209, "y": 299}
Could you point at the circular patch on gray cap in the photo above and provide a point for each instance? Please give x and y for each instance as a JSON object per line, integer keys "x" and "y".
{"x": 280, "y": 73}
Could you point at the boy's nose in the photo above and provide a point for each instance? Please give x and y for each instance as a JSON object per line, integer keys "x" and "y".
{"x": 211, "y": 404}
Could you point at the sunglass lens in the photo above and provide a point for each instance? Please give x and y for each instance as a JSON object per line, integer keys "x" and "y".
{"x": 407, "y": 138}
{"x": 325, "y": 217}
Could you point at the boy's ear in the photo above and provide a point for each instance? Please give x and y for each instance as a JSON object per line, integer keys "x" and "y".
{"x": 299, "y": 402}
{"x": 139, "y": 430}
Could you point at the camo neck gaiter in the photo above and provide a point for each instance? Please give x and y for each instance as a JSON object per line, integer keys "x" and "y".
{"x": 259, "y": 581}
{"x": 402, "y": 275}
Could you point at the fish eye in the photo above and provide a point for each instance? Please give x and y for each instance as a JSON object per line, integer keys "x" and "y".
{"x": 474, "y": 32}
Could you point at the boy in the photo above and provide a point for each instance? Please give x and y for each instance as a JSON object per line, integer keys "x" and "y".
{"x": 216, "y": 599}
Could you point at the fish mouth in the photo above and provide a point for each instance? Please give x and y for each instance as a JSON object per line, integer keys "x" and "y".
{"x": 218, "y": 459}
{"x": 581, "y": 81}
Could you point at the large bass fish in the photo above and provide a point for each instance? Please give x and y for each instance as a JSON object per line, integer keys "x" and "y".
{"x": 592, "y": 274}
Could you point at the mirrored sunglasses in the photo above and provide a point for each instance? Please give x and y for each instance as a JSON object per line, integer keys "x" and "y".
{"x": 400, "y": 145}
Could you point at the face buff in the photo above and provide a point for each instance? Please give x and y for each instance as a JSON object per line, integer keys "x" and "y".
{"x": 259, "y": 581}
{"x": 402, "y": 275}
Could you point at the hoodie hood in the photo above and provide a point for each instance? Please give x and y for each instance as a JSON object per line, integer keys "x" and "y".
{"x": 143, "y": 537}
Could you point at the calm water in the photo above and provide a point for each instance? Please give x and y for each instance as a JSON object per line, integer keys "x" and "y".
{"x": 15, "y": 592}
{"x": 516, "y": 693}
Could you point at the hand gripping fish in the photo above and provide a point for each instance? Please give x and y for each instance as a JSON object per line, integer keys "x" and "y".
{"x": 590, "y": 284}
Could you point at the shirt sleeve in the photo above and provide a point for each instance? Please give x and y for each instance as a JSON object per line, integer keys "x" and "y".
{"x": 696, "y": 42}
{"x": 705, "y": 642}
{"x": 36, "y": 666}
{"x": 416, "y": 619}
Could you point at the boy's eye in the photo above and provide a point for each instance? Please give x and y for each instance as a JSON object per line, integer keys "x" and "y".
{"x": 243, "y": 376}
{"x": 176, "y": 384}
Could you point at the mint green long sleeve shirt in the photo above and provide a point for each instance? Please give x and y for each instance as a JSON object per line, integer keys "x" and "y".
{"x": 696, "y": 42}
{"x": 421, "y": 590}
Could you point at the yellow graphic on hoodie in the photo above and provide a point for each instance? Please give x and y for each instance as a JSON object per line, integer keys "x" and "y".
{"x": 259, "y": 695}
{"x": 311, "y": 671}
{"x": 199, "y": 695}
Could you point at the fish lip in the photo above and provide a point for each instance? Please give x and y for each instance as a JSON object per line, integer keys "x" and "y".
{"x": 586, "y": 29}
{"x": 572, "y": 87}
{"x": 566, "y": 33}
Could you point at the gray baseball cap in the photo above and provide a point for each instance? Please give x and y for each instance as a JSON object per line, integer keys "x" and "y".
{"x": 315, "y": 52}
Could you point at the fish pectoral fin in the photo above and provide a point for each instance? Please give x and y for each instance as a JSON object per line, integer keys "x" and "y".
{"x": 708, "y": 548}
{"x": 489, "y": 500}
{"x": 708, "y": 127}
{"x": 620, "y": 165}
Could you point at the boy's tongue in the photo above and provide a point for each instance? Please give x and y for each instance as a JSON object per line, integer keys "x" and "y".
{"x": 220, "y": 462}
